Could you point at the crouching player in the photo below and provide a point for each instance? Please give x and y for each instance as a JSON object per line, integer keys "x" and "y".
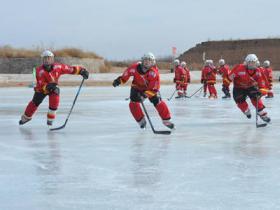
{"x": 145, "y": 84}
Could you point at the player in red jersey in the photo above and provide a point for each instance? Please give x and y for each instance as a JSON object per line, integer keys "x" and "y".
{"x": 47, "y": 76}
{"x": 224, "y": 70}
{"x": 208, "y": 77}
{"x": 269, "y": 76}
{"x": 248, "y": 82}
{"x": 145, "y": 84}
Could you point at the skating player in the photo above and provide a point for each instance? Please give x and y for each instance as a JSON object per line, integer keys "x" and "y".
{"x": 188, "y": 76}
{"x": 269, "y": 76}
{"x": 180, "y": 79}
{"x": 208, "y": 77}
{"x": 224, "y": 70}
{"x": 47, "y": 76}
{"x": 248, "y": 82}
{"x": 145, "y": 84}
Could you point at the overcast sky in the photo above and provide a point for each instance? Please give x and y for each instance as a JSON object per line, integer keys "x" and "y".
{"x": 125, "y": 29}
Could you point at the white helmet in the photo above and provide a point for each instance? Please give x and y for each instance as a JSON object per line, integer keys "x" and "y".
{"x": 47, "y": 53}
{"x": 176, "y": 62}
{"x": 258, "y": 63}
{"x": 208, "y": 62}
{"x": 266, "y": 63}
{"x": 183, "y": 64}
{"x": 251, "y": 61}
{"x": 148, "y": 60}
{"x": 48, "y": 59}
{"x": 222, "y": 62}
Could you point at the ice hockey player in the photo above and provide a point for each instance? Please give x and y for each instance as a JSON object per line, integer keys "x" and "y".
{"x": 145, "y": 84}
{"x": 188, "y": 76}
{"x": 208, "y": 77}
{"x": 180, "y": 79}
{"x": 269, "y": 76}
{"x": 224, "y": 70}
{"x": 47, "y": 76}
{"x": 248, "y": 82}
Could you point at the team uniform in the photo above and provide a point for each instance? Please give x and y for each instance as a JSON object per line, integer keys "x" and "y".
{"x": 47, "y": 85}
{"x": 269, "y": 76}
{"x": 181, "y": 80}
{"x": 208, "y": 78}
{"x": 248, "y": 83}
{"x": 224, "y": 70}
{"x": 145, "y": 84}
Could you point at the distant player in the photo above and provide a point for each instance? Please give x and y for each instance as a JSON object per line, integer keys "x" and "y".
{"x": 180, "y": 79}
{"x": 208, "y": 78}
{"x": 224, "y": 70}
{"x": 187, "y": 78}
{"x": 269, "y": 76}
{"x": 47, "y": 76}
{"x": 145, "y": 84}
{"x": 248, "y": 82}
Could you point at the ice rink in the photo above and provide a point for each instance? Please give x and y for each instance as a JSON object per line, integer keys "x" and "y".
{"x": 215, "y": 159}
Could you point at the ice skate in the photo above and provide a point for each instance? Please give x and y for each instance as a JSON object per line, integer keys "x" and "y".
{"x": 24, "y": 119}
{"x": 264, "y": 117}
{"x": 49, "y": 122}
{"x": 248, "y": 114}
{"x": 142, "y": 123}
{"x": 168, "y": 124}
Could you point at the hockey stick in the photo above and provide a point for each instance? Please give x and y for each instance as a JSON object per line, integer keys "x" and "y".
{"x": 172, "y": 95}
{"x": 195, "y": 92}
{"x": 257, "y": 108}
{"x": 155, "y": 131}
{"x": 199, "y": 93}
{"x": 63, "y": 126}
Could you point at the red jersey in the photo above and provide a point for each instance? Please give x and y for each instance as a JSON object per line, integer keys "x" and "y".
{"x": 224, "y": 71}
{"x": 244, "y": 78}
{"x": 264, "y": 77}
{"x": 268, "y": 74}
{"x": 188, "y": 74}
{"x": 148, "y": 82}
{"x": 208, "y": 74}
{"x": 181, "y": 75}
{"x": 44, "y": 77}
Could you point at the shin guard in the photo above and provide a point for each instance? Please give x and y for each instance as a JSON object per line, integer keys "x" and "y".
{"x": 136, "y": 110}
{"x": 243, "y": 106}
{"x": 260, "y": 104}
{"x": 163, "y": 110}
{"x": 30, "y": 109}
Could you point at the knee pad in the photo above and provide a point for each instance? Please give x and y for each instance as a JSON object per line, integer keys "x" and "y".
{"x": 155, "y": 100}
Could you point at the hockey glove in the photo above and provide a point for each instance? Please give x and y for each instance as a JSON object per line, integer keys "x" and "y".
{"x": 52, "y": 88}
{"x": 84, "y": 73}
{"x": 117, "y": 82}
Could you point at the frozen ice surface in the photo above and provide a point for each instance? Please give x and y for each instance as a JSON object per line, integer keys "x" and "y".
{"x": 215, "y": 159}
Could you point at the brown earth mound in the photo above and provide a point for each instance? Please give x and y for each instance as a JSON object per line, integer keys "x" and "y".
{"x": 234, "y": 51}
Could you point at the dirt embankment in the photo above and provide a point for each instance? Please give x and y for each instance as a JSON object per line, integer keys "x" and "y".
{"x": 25, "y": 65}
{"x": 234, "y": 51}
